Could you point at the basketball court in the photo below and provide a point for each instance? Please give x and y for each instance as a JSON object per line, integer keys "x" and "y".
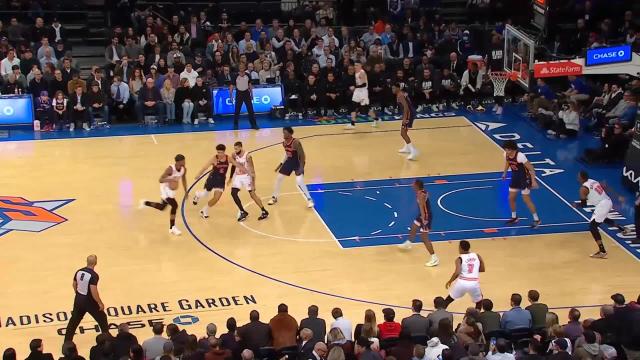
{"x": 65, "y": 199}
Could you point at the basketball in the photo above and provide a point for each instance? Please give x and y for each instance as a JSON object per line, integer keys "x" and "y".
{"x": 513, "y": 76}
{"x": 173, "y": 185}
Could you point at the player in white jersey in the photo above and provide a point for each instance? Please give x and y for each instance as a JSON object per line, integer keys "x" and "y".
{"x": 360, "y": 98}
{"x": 243, "y": 176}
{"x": 466, "y": 276}
{"x": 168, "y": 186}
{"x": 593, "y": 194}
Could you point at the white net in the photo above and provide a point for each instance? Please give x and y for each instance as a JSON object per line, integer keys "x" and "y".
{"x": 499, "y": 80}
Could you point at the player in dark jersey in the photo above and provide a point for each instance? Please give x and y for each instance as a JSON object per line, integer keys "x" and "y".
{"x": 523, "y": 179}
{"x": 294, "y": 161}
{"x": 422, "y": 222}
{"x": 219, "y": 164}
{"x": 408, "y": 112}
{"x": 87, "y": 300}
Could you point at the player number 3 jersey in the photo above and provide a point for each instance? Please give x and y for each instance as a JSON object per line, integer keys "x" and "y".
{"x": 470, "y": 270}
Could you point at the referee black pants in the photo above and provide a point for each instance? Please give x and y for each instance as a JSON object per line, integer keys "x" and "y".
{"x": 77, "y": 314}
{"x": 244, "y": 97}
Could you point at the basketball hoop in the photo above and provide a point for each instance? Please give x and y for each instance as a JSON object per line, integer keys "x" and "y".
{"x": 499, "y": 80}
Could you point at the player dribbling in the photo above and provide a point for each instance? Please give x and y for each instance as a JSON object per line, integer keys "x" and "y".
{"x": 422, "y": 223}
{"x": 219, "y": 164}
{"x": 294, "y": 161}
{"x": 168, "y": 186}
{"x": 466, "y": 276}
{"x": 523, "y": 179}
{"x": 408, "y": 115}
{"x": 243, "y": 176}
{"x": 593, "y": 194}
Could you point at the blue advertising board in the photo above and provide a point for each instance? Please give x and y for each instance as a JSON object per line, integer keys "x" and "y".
{"x": 16, "y": 110}
{"x": 608, "y": 55}
{"x": 264, "y": 97}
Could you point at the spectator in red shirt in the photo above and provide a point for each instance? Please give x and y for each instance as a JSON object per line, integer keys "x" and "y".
{"x": 389, "y": 328}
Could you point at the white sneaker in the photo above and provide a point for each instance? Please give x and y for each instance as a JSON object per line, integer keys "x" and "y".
{"x": 310, "y": 204}
{"x": 413, "y": 155}
{"x": 349, "y": 127}
{"x": 495, "y": 108}
{"x": 174, "y": 231}
{"x": 374, "y": 123}
{"x": 86, "y": 126}
{"x": 499, "y": 110}
{"x": 441, "y": 107}
{"x": 272, "y": 201}
{"x": 195, "y": 199}
{"x": 195, "y": 122}
{"x": 419, "y": 108}
{"x": 210, "y": 121}
{"x": 551, "y": 132}
{"x": 405, "y": 245}
{"x": 141, "y": 204}
{"x": 72, "y": 127}
{"x": 480, "y": 108}
{"x": 433, "y": 262}
{"x": 388, "y": 111}
{"x": 405, "y": 149}
{"x": 434, "y": 108}
{"x": 204, "y": 213}
{"x": 454, "y": 106}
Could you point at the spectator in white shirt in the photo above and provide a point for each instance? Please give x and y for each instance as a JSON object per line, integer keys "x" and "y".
{"x": 242, "y": 45}
{"x": 326, "y": 54}
{"x": 318, "y": 50}
{"x": 330, "y": 36}
{"x": 44, "y": 44}
{"x": 7, "y": 63}
{"x": 189, "y": 74}
{"x": 500, "y": 351}
{"x": 343, "y": 324}
{"x": 48, "y": 58}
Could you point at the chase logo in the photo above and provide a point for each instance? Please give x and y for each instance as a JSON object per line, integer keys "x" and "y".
{"x": 185, "y": 320}
{"x": 17, "y": 213}
{"x": 608, "y": 55}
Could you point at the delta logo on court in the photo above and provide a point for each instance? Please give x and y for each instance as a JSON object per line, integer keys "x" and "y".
{"x": 20, "y": 214}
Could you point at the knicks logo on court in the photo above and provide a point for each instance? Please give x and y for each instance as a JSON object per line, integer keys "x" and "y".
{"x": 20, "y": 214}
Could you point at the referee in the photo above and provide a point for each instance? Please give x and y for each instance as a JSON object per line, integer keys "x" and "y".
{"x": 85, "y": 285}
{"x": 243, "y": 96}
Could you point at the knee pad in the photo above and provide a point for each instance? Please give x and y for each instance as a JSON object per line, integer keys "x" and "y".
{"x": 593, "y": 228}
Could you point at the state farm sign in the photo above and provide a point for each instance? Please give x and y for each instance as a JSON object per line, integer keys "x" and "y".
{"x": 556, "y": 68}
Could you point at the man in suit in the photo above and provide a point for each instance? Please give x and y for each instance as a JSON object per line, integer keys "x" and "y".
{"x": 225, "y": 77}
{"x": 79, "y": 105}
{"x": 119, "y": 97}
{"x": 149, "y": 101}
{"x": 455, "y": 65}
{"x": 97, "y": 76}
{"x": 416, "y": 324}
{"x": 255, "y": 334}
{"x": 37, "y": 349}
{"x": 123, "y": 69}
{"x": 306, "y": 344}
{"x": 438, "y": 314}
{"x": 317, "y": 325}
{"x": 284, "y": 328}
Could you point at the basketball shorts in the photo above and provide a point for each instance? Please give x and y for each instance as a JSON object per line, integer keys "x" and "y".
{"x": 601, "y": 211}
{"x": 242, "y": 182}
{"x": 166, "y": 192}
{"x": 290, "y": 166}
{"x": 408, "y": 124}
{"x": 425, "y": 226}
{"x": 462, "y": 287}
{"x": 214, "y": 183}
{"x": 520, "y": 184}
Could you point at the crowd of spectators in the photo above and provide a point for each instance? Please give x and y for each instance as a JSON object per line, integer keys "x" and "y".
{"x": 530, "y": 333}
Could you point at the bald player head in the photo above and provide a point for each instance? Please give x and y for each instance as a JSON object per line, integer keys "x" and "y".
{"x": 92, "y": 261}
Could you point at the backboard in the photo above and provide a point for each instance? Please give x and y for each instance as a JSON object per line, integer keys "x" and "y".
{"x": 518, "y": 54}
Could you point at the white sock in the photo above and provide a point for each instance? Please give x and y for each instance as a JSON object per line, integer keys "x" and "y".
{"x": 202, "y": 194}
{"x": 278, "y": 185}
{"x": 513, "y": 214}
{"x": 535, "y": 217}
{"x": 303, "y": 186}
{"x": 405, "y": 146}
{"x": 411, "y": 147}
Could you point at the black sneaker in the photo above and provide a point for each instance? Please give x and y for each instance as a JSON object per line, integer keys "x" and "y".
{"x": 535, "y": 224}
{"x": 264, "y": 215}
{"x": 243, "y": 216}
{"x": 512, "y": 221}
